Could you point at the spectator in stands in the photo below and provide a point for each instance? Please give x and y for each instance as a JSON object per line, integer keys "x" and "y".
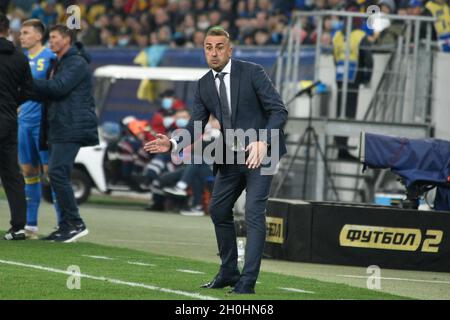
{"x": 108, "y": 37}
{"x": 161, "y": 171}
{"x": 203, "y": 22}
{"x": 320, "y": 5}
{"x": 278, "y": 28}
{"x": 403, "y": 7}
{"x": 142, "y": 40}
{"x": 188, "y": 26}
{"x": 327, "y": 34}
{"x": 129, "y": 151}
{"x": 118, "y": 7}
{"x": 46, "y": 12}
{"x": 88, "y": 34}
{"x": 16, "y": 17}
{"x": 283, "y": 6}
{"x": 387, "y": 35}
{"x": 441, "y": 11}
{"x": 25, "y": 5}
{"x": 163, "y": 121}
{"x": 160, "y": 19}
{"x": 198, "y": 38}
{"x": 337, "y": 4}
{"x": 200, "y": 7}
{"x": 196, "y": 174}
{"x": 215, "y": 17}
{"x": 123, "y": 22}
{"x": 261, "y": 21}
{"x": 416, "y": 8}
{"x": 262, "y": 37}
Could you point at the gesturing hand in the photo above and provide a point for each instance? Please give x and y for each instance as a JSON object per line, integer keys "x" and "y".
{"x": 161, "y": 144}
{"x": 257, "y": 152}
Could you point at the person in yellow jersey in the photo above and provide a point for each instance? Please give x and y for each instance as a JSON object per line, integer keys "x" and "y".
{"x": 359, "y": 72}
{"x": 441, "y": 11}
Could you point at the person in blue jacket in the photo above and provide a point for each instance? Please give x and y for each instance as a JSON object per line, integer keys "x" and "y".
{"x": 71, "y": 124}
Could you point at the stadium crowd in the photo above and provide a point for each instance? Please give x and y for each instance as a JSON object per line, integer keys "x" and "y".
{"x": 183, "y": 23}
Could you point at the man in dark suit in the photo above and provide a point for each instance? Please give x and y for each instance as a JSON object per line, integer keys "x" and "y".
{"x": 242, "y": 97}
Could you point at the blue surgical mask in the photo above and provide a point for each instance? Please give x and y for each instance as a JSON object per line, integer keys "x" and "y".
{"x": 167, "y": 122}
{"x": 15, "y": 24}
{"x": 181, "y": 122}
{"x": 167, "y": 103}
{"x": 123, "y": 42}
{"x": 337, "y": 25}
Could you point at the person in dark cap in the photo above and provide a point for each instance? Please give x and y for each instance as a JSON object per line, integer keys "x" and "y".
{"x": 416, "y": 8}
{"x": 388, "y": 6}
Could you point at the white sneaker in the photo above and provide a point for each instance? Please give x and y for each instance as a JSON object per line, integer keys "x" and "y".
{"x": 176, "y": 191}
{"x": 31, "y": 232}
{"x": 193, "y": 212}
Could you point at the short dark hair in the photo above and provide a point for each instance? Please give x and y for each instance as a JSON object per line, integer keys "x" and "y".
{"x": 36, "y": 24}
{"x": 64, "y": 31}
{"x": 218, "y": 31}
{"x": 4, "y": 23}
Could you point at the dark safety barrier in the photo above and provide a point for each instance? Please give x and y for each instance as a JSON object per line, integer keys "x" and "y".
{"x": 358, "y": 235}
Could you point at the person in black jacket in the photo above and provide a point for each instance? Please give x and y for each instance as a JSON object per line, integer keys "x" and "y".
{"x": 15, "y": 88}
{"x": 72, "y": 124}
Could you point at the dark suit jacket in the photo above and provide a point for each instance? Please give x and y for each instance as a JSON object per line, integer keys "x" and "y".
{"x": 255, "y": 104}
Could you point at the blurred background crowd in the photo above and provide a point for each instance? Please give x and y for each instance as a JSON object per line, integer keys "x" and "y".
{"x": 183, "y": 23}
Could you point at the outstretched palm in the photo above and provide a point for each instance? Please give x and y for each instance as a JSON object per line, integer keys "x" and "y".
{"x": 161, "y": 144}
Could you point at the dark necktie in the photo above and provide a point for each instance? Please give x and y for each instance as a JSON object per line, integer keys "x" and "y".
{"x": 224, "y": 105}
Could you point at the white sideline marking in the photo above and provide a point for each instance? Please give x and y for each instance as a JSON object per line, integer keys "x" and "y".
{"x": 296, "y": 290}
{"x": 190, "y": 271}
{"x": 97, "y": 257}
{"x": 395, "y": 279}
{"x": 161, "y": 242}
{"x": 141, "y": 264}
{"x": 115, "y": 281}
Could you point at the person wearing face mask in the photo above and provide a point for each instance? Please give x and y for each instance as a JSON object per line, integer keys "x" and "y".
{"x": 161, "y": 171}
{"x": 198, "y": 173}
{"x": 163, "y": 121}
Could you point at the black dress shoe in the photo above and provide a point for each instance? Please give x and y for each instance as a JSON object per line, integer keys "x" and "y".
{"x": 242, "y": 288}
{"x": 220, "y": 281}
{"x": 242, "y": 291}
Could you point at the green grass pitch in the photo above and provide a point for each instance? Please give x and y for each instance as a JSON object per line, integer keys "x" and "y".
{"x": 39, "y": 270}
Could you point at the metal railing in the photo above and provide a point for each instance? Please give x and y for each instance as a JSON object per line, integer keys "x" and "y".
{"x": 404, "y": 53}
{"x": 402, "y": 94}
